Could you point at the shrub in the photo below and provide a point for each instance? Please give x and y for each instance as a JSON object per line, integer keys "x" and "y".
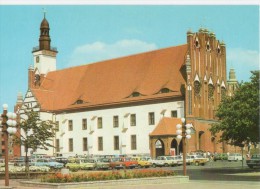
{"x": 113, "y": 175}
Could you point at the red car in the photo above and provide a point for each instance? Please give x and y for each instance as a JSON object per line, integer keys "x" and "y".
{"x": 122, "y": 163}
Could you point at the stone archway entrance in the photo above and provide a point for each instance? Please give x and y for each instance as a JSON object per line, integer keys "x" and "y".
{"x": 159, "y": 148}
{"x": 174, "y": 147}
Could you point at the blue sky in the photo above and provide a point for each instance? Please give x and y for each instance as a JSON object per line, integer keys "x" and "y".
{"x": 90, "y": 33}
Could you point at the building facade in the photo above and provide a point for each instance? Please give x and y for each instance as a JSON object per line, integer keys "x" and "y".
{"x": 129, "y": 105}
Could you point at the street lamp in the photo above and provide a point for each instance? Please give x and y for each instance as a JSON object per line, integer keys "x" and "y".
{"x": 8, "y": 127}
{"x": 183, "y": 132}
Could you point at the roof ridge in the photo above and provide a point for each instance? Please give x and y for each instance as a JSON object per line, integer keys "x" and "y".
{"x": 117, "y": 58}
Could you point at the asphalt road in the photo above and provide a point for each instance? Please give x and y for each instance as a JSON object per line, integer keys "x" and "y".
{"x": 221, "y": 171}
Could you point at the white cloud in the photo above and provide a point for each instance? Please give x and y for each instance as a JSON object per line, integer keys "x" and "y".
{"x": 98, "y": 51}
{"x": 243, "y": 61}
{"x": 243, "y": 56}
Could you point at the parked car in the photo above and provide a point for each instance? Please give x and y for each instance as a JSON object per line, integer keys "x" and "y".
{"x": 47, "y": 162}
{"x": 235, "y": 157}
{"x": 2, "y": 163}
{"x": 165, "y": 161}
{"x": 142, "y": 162}
{"x": 20, "y": 161}
{"x": 198, "y": 159}
{"x": 101, "y": 163}
{"x": 122, "y": 163}
{"x": 62, "y": 160}
{"x": 81, "y": 164}
{"x": 254, "y": 161}
{"x": 178, "y": 160}
{"x": 221, "y": 156}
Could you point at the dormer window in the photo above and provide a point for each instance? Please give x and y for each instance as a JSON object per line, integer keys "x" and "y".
{"x": 165, "y": 90}
{"x": 135, "y": 94}
{"x": 79, "y": 102}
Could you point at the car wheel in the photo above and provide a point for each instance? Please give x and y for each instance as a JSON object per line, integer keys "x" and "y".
{"x": 139, "y": 166}
{"x": 154, "y": 165}
{"x": 250, "y": 166}
{"x": 197, "y": 163}
{"x": 166, "y": 165}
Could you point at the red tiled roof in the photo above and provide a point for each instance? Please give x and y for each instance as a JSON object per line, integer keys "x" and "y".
{"x": 166, "y": 126}
{"x": 113, "y": 81}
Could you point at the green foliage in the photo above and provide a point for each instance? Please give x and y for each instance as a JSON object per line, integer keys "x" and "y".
{"x": 37, "y": 133}
{"x": 239, "y": 115}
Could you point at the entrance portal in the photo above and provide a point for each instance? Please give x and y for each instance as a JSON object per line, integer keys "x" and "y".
{"x": 159, "y": 148}
{"x": 174, "y": 147}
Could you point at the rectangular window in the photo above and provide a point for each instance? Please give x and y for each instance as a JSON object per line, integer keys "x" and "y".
{"x": 151, "y": 118}
{"x": 133, "y": 142}
{"x": 100, "y": 143}
{"x": 84, "y": 124}
{"x": 115, "y": 121}
{"x": 57, "y": 145}
{"x": 85, "y": 144}
{"x": 174, "y": 113}
{"x": 57, "y": 126}
{"x": 70, "y": 125}
{"x": 116, "y": 142}
{"x": 132, "y": 120}
{"x": 70, "y": 145}
{"x": 99, "y": 122}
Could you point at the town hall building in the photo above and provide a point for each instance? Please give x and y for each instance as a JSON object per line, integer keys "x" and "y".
{"x": 131, "y": 105}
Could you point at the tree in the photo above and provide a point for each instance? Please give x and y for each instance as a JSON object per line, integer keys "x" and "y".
{"x": 239, "y": 114}
{"x": 35, "y": 133}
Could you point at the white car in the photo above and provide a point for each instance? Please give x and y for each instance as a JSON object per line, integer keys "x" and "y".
{"x": 235, "y": 157}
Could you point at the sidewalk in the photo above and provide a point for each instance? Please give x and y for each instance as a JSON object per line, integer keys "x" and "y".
{"x": 192, "y": 184}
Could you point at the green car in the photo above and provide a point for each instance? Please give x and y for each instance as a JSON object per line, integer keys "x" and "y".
{"x": 82, "y": 164}
{"x": 221, "y": 156}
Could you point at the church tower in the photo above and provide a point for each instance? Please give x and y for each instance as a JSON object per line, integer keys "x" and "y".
{"x": 232, "y": 82}
{"x": 44, "y": 56}
{"x": 206, "y": 85}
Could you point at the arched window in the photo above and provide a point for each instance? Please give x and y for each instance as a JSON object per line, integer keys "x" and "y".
{"x": 223, "y": 92}
{"x": 210, "y": 91}
{"x": 197, "y": 87}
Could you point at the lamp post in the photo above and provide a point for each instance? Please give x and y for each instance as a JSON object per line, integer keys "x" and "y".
{"x": 8, "y": 127}
{"x": 183, "y": 132}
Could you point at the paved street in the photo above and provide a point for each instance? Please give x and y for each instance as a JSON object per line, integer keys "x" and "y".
{"x": 214, "y": 175}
